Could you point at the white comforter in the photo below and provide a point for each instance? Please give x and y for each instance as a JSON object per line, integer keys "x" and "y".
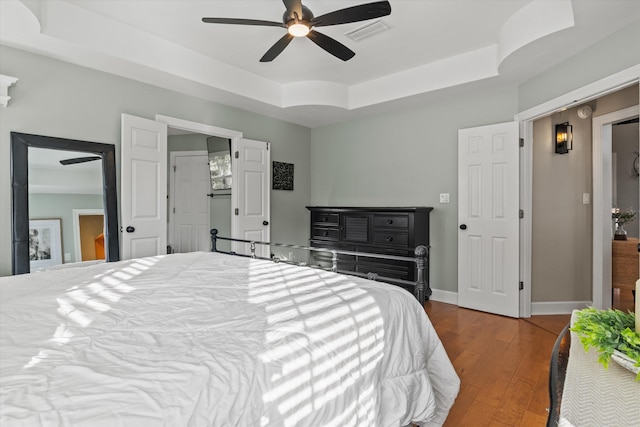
{"x": 207, "y": 339}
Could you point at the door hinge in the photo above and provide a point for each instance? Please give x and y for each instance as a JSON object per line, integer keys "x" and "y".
{"x": 521, "y": 214}
{"x": 521, "y": 142}
{"x": 268, "y": 145}
{"x": 521, "y": 286}
{"x": 237, "y": 154}
{"x": 174, "y": 168}
{"x": 174, "y": 210}
{"x": 237, "y": 211}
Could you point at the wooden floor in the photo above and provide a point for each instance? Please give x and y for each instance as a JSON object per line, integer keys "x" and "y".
{"x": 503, "y": 365}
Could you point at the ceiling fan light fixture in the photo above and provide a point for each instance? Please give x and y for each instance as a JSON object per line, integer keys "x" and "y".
{"x": 299, "y": 21}
{"x": 298, "y": 30}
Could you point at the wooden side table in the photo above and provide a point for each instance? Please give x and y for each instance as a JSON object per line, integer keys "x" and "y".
{"x": 624, "y": 264}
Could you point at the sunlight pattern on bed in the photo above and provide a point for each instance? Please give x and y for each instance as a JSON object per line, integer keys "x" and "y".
{"x": 321, "y": 336}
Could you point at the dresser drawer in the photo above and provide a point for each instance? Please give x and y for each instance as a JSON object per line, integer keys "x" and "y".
{"x": 391, "y": 221}
{"x": 324, "y": 233}
{"x": 390, "y": 238}
{"x": 325, "y": 218}
{"x": 384, "y": 251}
{"x": 325, "y": 259}
{"x": 402, "y": 272}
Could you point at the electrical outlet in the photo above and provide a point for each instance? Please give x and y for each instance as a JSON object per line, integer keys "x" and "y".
{"x": 444, "y": 197}
{"x": 67, "y": 256}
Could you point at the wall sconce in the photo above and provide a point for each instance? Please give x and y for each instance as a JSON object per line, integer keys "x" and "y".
{"x": 564, "y": 138}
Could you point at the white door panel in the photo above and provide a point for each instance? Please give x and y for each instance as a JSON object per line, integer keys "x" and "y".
{"x": 190, "y": 184}
{"x": 488, "y": 214}
{"x": 143, "y": 187}
{"x": 252, "y": 184}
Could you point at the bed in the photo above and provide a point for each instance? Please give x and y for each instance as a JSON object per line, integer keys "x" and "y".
{"x": 211, "y": 339}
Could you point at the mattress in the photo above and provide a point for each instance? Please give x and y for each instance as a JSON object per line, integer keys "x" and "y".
{"x": 209, "y": 339}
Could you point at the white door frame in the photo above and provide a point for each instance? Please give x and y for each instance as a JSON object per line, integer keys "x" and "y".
{"x": 172, "y": 184}
{"x": 526, "y": 118}
{"x": 204, "y": 129}
{"x": 77, "y": 213}
{"x": 602, "y": 197}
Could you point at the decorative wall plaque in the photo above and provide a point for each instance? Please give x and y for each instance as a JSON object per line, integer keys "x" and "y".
{"x": 282, "y": 176}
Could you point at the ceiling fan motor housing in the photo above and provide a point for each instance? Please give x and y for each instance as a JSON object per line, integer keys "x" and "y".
{"x": 289, "y": 17}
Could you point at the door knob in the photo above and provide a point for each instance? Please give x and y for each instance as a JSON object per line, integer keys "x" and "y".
{"x": 463, "y": 226}
{"x": 130, "y": 229}
{"x": 265, "y": 222}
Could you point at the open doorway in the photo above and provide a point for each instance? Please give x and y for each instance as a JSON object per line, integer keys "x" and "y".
{"x": 88, "y": 234}
{"x": 199, "y": 190}
{"x": 601, "y": 210}
{"x": 603, "y": 188}
{"x": 625, "y": 198}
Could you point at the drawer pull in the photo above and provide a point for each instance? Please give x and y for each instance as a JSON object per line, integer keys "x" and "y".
{"x": 389, "y": 239}
{"x": 389, "y": 221}
{"x": 325, "y": 219}
{"x": 325, "y": 233}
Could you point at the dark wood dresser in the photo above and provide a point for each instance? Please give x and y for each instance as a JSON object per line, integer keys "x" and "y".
{"x": 389, "y": 231}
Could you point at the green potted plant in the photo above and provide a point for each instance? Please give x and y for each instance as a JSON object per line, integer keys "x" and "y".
{"x": 611, "y": 332}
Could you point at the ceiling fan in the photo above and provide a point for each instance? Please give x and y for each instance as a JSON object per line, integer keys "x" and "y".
{"x": 299, "y": 21}
{"x": 75, "y": 160}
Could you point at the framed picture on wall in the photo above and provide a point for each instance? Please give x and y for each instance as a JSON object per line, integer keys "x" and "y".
{"x": 282, "y": 176}
{"x": 45, "y": 243}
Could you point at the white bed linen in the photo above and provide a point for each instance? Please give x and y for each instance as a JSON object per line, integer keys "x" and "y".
{"x": 207, "y": 339}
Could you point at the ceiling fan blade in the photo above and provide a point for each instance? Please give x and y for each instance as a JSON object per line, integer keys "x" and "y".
{"x": 277, "y": 48}
{"x": 239, "y": 21}
{"x": 353, "y": 14}
{"x": 79, "y": 160}
{"x": 332, "y": 46}
{"x": 293, "y": 6}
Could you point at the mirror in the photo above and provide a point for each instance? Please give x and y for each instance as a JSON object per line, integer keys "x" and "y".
{"x": 219, "y": 150}
{"x": 105, "y": 153}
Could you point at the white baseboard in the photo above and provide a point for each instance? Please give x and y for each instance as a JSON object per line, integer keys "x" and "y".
{"x": 557, "y": 307}
{"x": 537, "y": 308}
{"x": 444, "y": 296}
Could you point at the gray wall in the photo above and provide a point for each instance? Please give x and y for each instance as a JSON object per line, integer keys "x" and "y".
{"x": 406, "y": 158}
{"x": 615, "y": 53}
{"x": 59, "y": 99}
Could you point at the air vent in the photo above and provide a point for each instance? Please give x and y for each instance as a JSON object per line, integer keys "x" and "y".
{"x": 367, "y": 31}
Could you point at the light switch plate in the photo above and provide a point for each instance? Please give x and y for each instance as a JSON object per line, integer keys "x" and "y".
{"x": 444, "y": 197}
{"x": 586, "y": 198}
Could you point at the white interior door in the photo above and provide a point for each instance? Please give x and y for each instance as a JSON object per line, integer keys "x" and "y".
{"x": 488, "y": 218}
{"x": 251, "y": 195}
{"x": 189, "y": 201}
{"x": 143, "y": 191}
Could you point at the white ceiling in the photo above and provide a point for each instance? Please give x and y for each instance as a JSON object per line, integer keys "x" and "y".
{"x": 431, "y": 47}
{"x": 47, "y": 175}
